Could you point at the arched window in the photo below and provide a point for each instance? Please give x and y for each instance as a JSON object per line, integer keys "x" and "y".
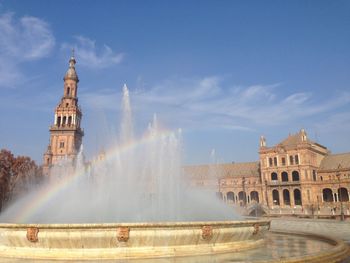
{"x": 270, "y": 162}
{"x": 295, "y": 176}
{"x": 286, "y": 197}
{"x": 274, "y": 176}
{"x": 230, "y": 197}
{"x": 68, "y": 91}
{"x": 275, "y": 161}
{"x": 254, "y": 195}
{"x": 327, "y": 195}
{"x": 284, "y": 177}
{"x": 69, "y": 120}
{"x": 343, "y": 194}
{"x": 297, "y": 197}
{"x": 275, "y": 197}
{"x": 64, "y": 121}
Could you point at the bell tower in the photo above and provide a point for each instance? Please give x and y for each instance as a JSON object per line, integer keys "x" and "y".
{"x": 65, "y": 134}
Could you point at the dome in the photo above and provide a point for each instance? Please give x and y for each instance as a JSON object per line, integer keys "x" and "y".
{"x": 71, "y": 73}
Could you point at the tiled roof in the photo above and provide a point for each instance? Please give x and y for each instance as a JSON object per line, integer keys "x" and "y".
{"x": 335, "y": 161}
{"x": 223, "y": 170}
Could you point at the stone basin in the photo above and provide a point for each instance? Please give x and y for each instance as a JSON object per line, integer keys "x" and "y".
{"x": 129, "y": 240}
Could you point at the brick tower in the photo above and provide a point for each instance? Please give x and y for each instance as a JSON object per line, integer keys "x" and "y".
{"x": 65, "y": 134}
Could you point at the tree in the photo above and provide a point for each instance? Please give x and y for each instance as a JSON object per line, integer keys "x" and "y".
{"x": 6, "y": 163}
{"x": 17, "y": 174}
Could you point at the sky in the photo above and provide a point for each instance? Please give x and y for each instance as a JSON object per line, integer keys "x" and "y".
{"x": 225, "y": 72}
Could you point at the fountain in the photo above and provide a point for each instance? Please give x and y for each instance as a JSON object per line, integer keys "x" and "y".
{"x": 131, "y": 203}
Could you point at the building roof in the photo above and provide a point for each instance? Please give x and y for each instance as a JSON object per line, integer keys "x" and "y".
{"x": 335, "y": 161}
{"x": 299, "y": 138}
{"x": 216, "y": 171}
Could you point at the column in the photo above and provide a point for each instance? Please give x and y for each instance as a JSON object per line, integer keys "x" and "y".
{"x": 335, "y": 197}
{"x": 55, "y": 121}
{"x": 280, "y": 195}
{"x": 291, "y": 197}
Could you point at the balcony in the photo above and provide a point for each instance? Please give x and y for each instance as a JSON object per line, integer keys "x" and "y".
{"x": 279, "y": 183}
{"x": 66, "y": 127}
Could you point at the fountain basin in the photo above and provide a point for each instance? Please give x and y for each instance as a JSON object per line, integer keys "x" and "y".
{"x": 129, "y": 240}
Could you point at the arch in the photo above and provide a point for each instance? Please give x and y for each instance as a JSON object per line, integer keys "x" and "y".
{"x": 343, "y": 194}
{"x": 327, "y": 195}
{"x": 297, "y": 197}
{"x": 68, "y": 91}
{"x": 295, "y": 176}
{"x": 254, "y": 195}
{"x": 242, "y": 197}
{"x": 274, "y": 176}
{"x": 59, "y": 121}
{"x": 275, "y": 197}
{"x": 230, "y": 197}
{"x": 286, "y": 197}
{"x": 284, "y": 177}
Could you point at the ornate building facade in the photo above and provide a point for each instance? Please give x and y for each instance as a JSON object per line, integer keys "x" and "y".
{"x": 297, "y": 175}
{"x": 65, "y": 133}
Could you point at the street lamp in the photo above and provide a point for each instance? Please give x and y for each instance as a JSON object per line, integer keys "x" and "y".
{"x": 341, "y": 198}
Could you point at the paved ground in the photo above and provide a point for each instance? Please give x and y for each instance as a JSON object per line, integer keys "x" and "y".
{"x": 327, "y": 227}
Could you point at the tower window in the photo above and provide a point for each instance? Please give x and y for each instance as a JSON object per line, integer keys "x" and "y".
{"x": 61, "y": 144}
{"x": 296, "y": 159}
{"x": 275, "y": 161}
{"x": 68, "y": 91}
{"x": 67, "y": 104}
{"x": 291, "y": 160}
{"x": 283, "y": 161}
{"x": 270, "y": 162}
{"x": 59, "y": 121}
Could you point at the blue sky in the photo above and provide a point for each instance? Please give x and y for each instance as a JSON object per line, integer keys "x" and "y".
{"x": 225, "y": 72}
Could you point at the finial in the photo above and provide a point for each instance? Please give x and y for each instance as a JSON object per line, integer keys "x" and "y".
{"x": 303, "y": 135}
{"x": 262, "y": 141}
{"x": 72, "y": 59}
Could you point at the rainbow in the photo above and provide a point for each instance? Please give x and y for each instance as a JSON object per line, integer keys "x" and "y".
{"x": 47, "y": 193}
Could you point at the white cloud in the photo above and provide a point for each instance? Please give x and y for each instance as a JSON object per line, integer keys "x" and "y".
{"x": 205, "y": 103}
{"x": 24, "y": 39}
{"x": 90, "y": 56}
